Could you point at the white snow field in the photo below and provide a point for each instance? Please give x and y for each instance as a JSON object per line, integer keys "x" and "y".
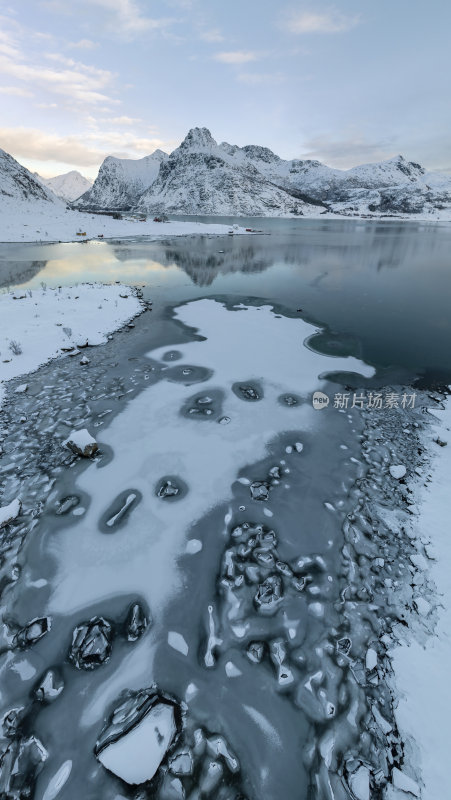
{"x": 151, "y": 439}
{"x": 42, "y": 324}
{"x": 422, "y": 670}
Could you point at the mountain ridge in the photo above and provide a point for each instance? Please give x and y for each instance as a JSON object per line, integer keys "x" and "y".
{"x": 203, "y": 177}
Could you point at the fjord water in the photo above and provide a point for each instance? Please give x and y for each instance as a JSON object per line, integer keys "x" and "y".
{"x": 380, "y": 288}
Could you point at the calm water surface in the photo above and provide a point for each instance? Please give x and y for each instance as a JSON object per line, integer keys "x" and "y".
{"x": 382, "y": 289}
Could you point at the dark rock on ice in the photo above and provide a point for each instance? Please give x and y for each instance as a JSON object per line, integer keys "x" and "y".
{"x": 136, "y": 622}
{"x": 181, "y": 762}
{"x": 82, "y": 443}
{"x": 12, "y": 721}
{"x": 20, "y": 765}
{"x": 141, "y": 731}
{"x": 269, "y": 595}
{"x": 247, "y": 391}
{"x": 91, "y": 643}
{"x": 67, "y": 504}
{"x": 259, "y": 490}
{"x": 32, "y": 632}
{"x": 344, "y": 645}
{"x": 168, "y": 489}
{"x": 256, "y": 651}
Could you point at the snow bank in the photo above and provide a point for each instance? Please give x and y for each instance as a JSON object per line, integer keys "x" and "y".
{"x": 44, "y": 324}
{"x": 41, "y": 224}
{"x": 422, "y": 671}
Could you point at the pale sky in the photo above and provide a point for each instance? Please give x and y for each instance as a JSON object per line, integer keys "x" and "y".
{"x": 346, "y": 82}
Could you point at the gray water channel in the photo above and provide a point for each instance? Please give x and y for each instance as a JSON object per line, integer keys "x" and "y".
{"x": 279, "y": 704}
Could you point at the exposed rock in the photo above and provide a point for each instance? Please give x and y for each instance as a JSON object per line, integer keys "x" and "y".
{"x": 91, "y": 643}
{"x": 20, "y": 765}
{"x": 255, "y": 652}
{"x": 32, "y": 632}
{"x": 168, "y": 489}
{"x": 82, "y": 443}
{"x": 136, "y": 622}
{"x": 259, "y": 490}
{"x": 181, "y": 762}
{"x": 269, "y": 595}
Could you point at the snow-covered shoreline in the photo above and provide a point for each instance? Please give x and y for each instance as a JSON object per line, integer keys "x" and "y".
{"x": 43, "y": 324}
{"x": 41, "y": 225}
{"x": 421, "y": 662}
{"x": 74, "y": 226}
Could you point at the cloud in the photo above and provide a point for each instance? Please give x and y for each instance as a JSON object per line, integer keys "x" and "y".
{"x": 83, "y": 44}
{"x": 78, "y": 83}
{"x": 349, "y": 151}
{"x": 84, "y": 150}
{"x": 123, "y": 120}
{"x": 8, "y": 43}
{"x": 32, "y": 143}
{"x": 332, "y": 21}
{"x": 261, "y": 78}
{"x": 212, "y": 35}
{"x": 236, "y": 57}
{"x": 16, "y": 91}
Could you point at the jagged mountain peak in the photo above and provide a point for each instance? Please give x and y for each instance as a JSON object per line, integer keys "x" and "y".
{"x": 198, "y": 138}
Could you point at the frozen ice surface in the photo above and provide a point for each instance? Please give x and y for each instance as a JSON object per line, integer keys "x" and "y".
{"x": 166, "y": 442}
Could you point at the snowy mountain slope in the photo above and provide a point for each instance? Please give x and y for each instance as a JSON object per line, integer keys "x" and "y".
{"x": 121, "y": 181}
{"x": 69, "y": 186}
{"x": 21, "y": 191}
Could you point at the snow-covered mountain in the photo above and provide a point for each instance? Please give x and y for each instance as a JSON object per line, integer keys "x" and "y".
{"x": 20, "y": 191}
{"x": 69, "y": 186}
{"x": 121, "y": 181}
{"x": 204, "y": 177}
